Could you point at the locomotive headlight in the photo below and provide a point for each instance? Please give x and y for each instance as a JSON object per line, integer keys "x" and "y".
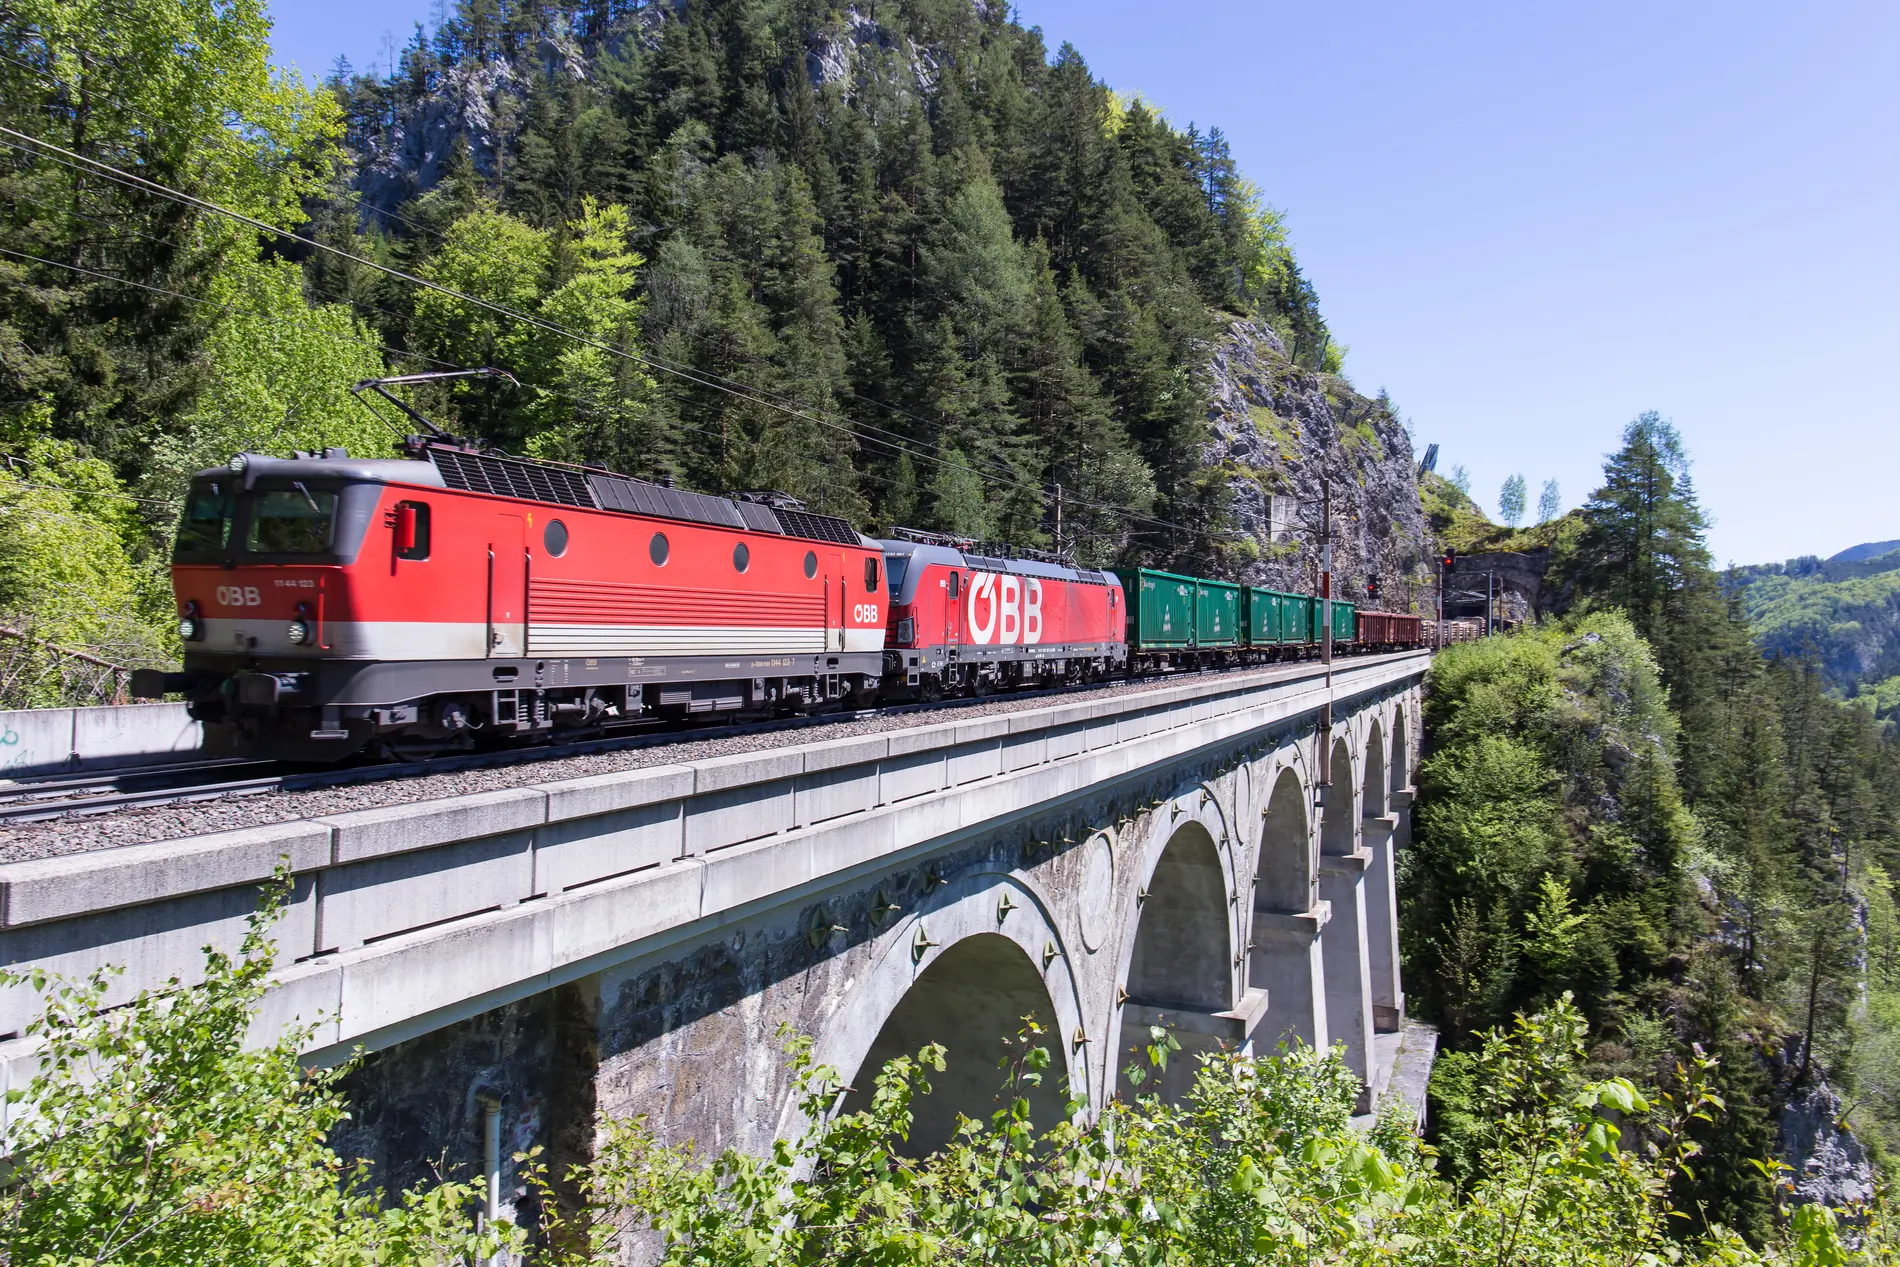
{"x": 298, "y": 632}
{"x": 906, "y": 630}
{"x": 190, "y": 628}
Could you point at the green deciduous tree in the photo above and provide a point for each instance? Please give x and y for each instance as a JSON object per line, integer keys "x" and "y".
{"x": 154, "y": 1133}
{"x": 1511, "y": 501}
{"x": 1550, "y": 502}
{"x": 185, "y": 95}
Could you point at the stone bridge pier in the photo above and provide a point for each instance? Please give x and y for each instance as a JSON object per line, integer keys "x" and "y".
{"x": 1211, "y": 893}
{"x": 1158, "y": 857}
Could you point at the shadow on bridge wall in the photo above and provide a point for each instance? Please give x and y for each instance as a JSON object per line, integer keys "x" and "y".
{"x": 1155, "y": 900}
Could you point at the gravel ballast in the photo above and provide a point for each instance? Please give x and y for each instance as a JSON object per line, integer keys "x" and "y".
{"x": 48, "y": 838}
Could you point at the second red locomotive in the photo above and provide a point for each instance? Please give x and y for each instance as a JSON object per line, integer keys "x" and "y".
{"x": 963, "y": 621}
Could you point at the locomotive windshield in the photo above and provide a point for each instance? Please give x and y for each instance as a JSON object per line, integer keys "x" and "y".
{"x": 294, "y": 520}
{"x": 206, "y": 525}
{"x": 895, "y": 565}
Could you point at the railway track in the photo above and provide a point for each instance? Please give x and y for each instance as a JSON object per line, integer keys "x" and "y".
{"x": 74, "y": 796}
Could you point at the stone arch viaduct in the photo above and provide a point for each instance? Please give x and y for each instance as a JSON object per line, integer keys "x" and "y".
{"x": 636, "y": 942}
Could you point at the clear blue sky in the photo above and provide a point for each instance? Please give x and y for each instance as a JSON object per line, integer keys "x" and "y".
{"x": 1532, "y": 222}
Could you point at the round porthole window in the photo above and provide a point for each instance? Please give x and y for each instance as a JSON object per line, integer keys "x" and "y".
{"x": 657, "y": 549}
{"x": 554, "y": 537}
{"x": 741, "y": 557}
{"x": 811, "y": 563}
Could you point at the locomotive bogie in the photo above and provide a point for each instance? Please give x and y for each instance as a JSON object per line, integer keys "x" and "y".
{"x": 332, "y": 604}
{"x": 964, "y": 623}
{"x": 458, "y": 598}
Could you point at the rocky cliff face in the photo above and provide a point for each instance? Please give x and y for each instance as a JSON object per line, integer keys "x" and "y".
{"x": 1829, "y": 1165}
{"x": 1281, "y": 432}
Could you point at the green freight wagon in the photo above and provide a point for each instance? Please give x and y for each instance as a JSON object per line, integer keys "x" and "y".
{"x": 1345, "y": 621}
{"x": 1260, "y": 617}
{"x": 1299, "y": 619}
{"x": 1160, "y": 610}
{"x": 1216, "y": 615}
{"x": 1342, "y": 625}
{"x": 1342, "y": 621}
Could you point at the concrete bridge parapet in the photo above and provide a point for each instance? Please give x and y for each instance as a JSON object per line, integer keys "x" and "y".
{"x": 633, "y": 942}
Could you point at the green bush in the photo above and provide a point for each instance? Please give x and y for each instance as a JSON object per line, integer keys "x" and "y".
{"x": 153, "y": 1134}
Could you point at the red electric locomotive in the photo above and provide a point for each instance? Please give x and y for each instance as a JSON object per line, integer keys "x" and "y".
{"x": 330, "y": 604}
{"x": 966, "y": 622}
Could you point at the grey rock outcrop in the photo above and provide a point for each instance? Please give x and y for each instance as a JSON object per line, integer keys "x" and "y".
{"x": 1279, "y": 430}
{"x": 1830, "y": 1166}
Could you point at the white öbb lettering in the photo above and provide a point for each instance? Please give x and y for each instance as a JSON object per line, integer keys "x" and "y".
{"x": 1004, "y": 609}
{"x": 865, "y": 613}
{"x": 239, "y": 596}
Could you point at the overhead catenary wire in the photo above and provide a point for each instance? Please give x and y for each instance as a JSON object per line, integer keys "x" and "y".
{"x": 1000, "y": 470}
{"x": 328, "y": 334}
{"x": 976, "y": 461}
{"x": 80, "y": 162}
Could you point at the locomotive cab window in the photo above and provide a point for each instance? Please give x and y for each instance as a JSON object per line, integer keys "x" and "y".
{"x": 870, "y": 575}
{"x": 956, "y": 583}
{"x": 895, "y": 566}
{"x": 412, "y": 531}
{"x": 206, "y": 526}
{"x": 294, "y": 520}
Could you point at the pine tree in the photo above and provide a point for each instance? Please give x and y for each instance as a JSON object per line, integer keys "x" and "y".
{"x": 1642, "y": 543}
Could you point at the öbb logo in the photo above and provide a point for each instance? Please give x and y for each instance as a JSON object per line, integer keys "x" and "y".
{"x": 239, "y": 596}
{"x": 1004, "y": 609}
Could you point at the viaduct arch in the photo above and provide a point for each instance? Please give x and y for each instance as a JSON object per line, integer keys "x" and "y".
{"x": 635, "y": 943}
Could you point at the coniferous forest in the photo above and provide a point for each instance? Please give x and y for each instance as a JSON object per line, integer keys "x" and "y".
{"x": 1632, "y": 806}
{"x": 904, "y": 262}
{"x": 910, "y": 263}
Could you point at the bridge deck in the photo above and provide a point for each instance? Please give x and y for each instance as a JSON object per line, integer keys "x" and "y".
{"x": 409, "y": 916}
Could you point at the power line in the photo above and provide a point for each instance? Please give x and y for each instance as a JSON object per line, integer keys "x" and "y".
{"x": 717, "y": 383}
{"x": 999, "y": 471}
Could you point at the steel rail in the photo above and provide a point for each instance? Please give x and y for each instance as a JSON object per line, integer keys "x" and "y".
{"x": 58, "y": 797}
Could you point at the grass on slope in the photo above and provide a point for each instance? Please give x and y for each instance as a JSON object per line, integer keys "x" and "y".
{"x": 1459, "y": 522}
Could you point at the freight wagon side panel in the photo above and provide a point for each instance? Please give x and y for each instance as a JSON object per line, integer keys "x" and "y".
{"x": 1299, "y": 621}
{"x": 1216, "y": 614}
{"x": 1259, "y": 617}
{"x": 1160, "y": 610}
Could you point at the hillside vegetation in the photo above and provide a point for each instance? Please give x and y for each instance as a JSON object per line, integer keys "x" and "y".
{"x": 1635, "y": 807}
{"x": 1459, "y": 523}
{"x": 905, "y": 262}
{"x": 1842, "y": 614}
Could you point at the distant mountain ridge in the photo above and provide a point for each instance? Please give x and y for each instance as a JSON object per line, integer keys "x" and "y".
{"x": 1843, "y": 612}
{"x": 1865, "y": 550}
